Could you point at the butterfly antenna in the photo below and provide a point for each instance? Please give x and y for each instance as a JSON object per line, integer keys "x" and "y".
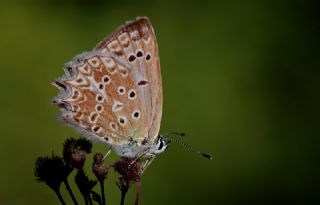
{"x": 190, "y": 147}
{"x": 181, "y": 134}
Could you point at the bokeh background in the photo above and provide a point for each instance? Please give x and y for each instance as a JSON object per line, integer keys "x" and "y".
{"x": 241, "y": 78}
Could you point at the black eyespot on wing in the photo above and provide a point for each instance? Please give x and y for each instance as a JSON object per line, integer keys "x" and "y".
{"x": 99, "y": 108}
{"x": 99, "y": 98}
{"x": 132, "y": 58}
{"x": 106, "y": 79}
{"x": 136, "y": 114}
{"x": 142, "y": 82}
{"x": 132, "y": 94}
{"x": 96, "y": 129}
{"x": 139, "y": 54}
{"x": 148, "y": 57}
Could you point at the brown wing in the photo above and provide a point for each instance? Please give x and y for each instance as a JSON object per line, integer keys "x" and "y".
{"x": 135, "y": 45}
{"x": 114, "y": 92}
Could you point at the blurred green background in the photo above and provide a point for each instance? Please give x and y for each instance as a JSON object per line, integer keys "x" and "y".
{"x": 241, "y": 78}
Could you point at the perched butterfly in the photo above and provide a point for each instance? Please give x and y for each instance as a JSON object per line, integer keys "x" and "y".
{"x": 113, "y": 94}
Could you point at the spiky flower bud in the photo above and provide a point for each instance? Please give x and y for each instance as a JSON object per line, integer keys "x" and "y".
{"x": 99, "y": 169}
{"x": 75, "y": 151}
{"x": 130, "y": 172}
{"x": 52, "y": 171}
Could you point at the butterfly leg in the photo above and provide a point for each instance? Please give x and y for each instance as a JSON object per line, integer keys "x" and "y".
{"x": 143, "y": 153}
{"x": 106, "y": 155}
{"x": 147, "y": 163}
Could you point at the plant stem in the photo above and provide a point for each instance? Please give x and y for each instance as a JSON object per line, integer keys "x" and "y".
{"x": 102, "y": 192}
{"x": 123, "y": 196}
{"x": 66, "y": 183}
{"x": 89, "y": 199}
{"x": 138, "y": 193}
{"x": 85, "y": 198}
{"x": 60, "y": 197}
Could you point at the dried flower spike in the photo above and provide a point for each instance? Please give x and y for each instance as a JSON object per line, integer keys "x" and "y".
{"x": 130, "y": 172}
{"x": 75, "y": 151}
{"x": 51, "y": 170}
{"x": 99, "y": 169}
{"x": 129, "y": 169}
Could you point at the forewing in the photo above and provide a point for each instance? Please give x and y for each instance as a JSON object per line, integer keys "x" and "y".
{"x": 114, "y": 93}
{"x": 135, "y": 46}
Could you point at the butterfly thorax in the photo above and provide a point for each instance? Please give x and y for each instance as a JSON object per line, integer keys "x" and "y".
{"x": 135, "y": 149}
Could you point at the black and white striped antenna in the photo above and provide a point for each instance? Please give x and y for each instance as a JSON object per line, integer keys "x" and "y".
{"x": 187, "y": 146}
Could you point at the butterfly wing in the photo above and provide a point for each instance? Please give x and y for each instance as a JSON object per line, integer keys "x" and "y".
{"x": 135, "y": 45}
{"x": 114, "y": 93}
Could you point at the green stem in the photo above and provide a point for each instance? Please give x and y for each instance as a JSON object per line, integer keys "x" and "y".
{"x": 66, "y": 183}
{"x": 123, "y": 196}
{"x": 58, "y": 193}
{"x": 138, "y": 193}
{"x": 89, "y": 199}
{"x": 102, "y": 193}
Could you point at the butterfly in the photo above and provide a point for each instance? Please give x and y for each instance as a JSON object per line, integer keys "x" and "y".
{"x": 113, "y": 94}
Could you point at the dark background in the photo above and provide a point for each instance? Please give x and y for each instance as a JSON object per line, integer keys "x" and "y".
{"x": 241, "y": 78}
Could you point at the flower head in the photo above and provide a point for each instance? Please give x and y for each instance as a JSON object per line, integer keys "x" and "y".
{"x": 99, "y": 169}
{"x": 75, "y": 151}
{"x": 130, "y": 172}
{"x": 52, "y": 171}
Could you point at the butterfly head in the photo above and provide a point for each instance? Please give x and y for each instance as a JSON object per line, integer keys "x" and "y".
{"x": 160, "y": 146}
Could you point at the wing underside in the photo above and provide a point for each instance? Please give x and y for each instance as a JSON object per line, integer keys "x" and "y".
{"x": 114, "y": 93}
